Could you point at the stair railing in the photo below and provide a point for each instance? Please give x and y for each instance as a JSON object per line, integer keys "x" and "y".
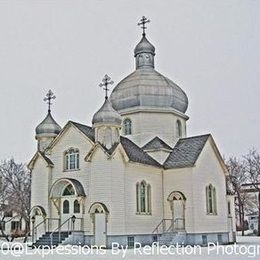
{"x": 169, "y": 225}
{"x": 46, "y": 223}
{"x": 71, "y": 227}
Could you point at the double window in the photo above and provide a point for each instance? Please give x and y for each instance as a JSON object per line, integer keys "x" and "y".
{"x": 66, "y": 207}
{"x": 71, "y": 159}
{"x": 143, "y": 198}
{"x": 211, "y": 200}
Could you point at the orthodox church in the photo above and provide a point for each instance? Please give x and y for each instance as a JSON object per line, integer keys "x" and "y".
{"x": 134, "y": 175}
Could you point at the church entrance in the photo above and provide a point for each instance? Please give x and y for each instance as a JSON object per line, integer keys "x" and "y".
{"x": 177, "y": 204}
{"x": 98, "y": 212}
{"x": 68, "y": 198}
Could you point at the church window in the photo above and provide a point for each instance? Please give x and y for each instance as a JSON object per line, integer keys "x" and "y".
{"x": 178, "y": 129}
{"x": 16, "y": 225}
{"x": 72, "y": 159}
{"x": 68, "y": 191}
{"x": 76, "y": 206}
{"x": 127, "y": 126}
{"x": 143, "y": 198}
{"x": 66, "y": 207}
{"x": 211, "y": 200}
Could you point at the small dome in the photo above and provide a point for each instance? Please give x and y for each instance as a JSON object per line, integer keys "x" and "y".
{"x": 107, "y": 115}
{"x": 48, "y": 127}
{"x": 144, "y": 46}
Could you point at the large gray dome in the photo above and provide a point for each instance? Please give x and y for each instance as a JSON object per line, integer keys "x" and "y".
{"x": 146, "y": 87}
{"x": 106, "y": 115}
{"x": 48, "y": 127}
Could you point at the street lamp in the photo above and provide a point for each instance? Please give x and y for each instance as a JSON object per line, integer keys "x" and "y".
{"x": 73, "y": 218}
{"x": 33, "y": 223}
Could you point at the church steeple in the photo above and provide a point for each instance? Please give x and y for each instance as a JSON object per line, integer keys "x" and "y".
{"x": 144, "y": 51}
{"x": 48, "y": 129}
{"x": 106, "y": 121}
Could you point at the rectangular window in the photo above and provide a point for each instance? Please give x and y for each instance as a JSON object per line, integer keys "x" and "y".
{"x": 130, "y": 242}
{"x": 2, "y": 225}
{"x": 204, "y": 240}
{"x": 15, "y": 225}
{"x": 72, "y": 161}
{"x": 220, "y": 240}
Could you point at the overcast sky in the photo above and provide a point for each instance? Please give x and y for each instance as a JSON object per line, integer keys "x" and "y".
{"x": 210, "y": 48}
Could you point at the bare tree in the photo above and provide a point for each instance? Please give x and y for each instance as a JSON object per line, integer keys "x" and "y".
{"x": 252, "y": 160}
{"x": 236, "y": 178}
{"x": 16, "y": 186}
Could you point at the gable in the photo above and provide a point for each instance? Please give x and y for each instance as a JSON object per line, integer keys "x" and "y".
{"x": 40, "y": 156}
{"x": 85, "y": 131}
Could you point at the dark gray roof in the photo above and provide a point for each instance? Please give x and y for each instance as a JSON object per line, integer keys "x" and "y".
{"x": 186, "y": 152}
{"x": 156, "y": 144}
{"x": 87, "y": 130}
{"x": 78, "y": 186}
{"x": 136, "y": 154}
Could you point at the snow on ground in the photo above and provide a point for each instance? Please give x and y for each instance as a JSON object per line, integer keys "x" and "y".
{"x": 246, "y": 248}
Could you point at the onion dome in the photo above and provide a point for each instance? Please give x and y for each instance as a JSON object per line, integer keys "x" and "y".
{"x": 144, "y": 46}
{"x": 48, "y": 127}
{"x": 146, "y": 88}
{"x": 107, "y": 115}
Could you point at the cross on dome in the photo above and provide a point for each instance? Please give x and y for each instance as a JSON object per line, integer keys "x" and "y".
{"x": 105, "y": 82}
{"x": 142, "y": 22}
{"x": 49, "y": 96}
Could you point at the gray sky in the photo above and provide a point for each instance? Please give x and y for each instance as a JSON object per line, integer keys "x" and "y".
{"x": 210, "y": 48}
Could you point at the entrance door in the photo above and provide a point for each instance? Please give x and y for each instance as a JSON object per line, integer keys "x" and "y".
{"x": 100, "y": 229}
{"x": 177, "y": 201}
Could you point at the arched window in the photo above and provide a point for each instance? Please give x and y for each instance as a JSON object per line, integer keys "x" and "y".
{"x": 178, "y": 129}
{"x": 66, "y": 207}
{"x": 76, "y": 206}
{"x": 211, "y": 200}
{"x": 127, "y": 126}
{"x": 71, "y": 158}
{"x": 68, "y": 191}
{"x": 143, "y": 198}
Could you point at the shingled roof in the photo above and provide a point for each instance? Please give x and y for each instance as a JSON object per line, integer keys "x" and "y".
{"x": 87, "y": 130}
{"x": 156, "y": 144}
{"x": 186, "y": 152}
{"x": 136, "y": 154}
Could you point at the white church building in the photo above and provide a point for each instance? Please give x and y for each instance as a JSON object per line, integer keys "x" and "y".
{"x": 134, "y": 175}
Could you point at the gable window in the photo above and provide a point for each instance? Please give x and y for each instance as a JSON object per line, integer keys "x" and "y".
{"x": 178, "y": 129}
{"x": 143, "y": 198}
{"x": 66, "y": 207}
{"x": 211, "y": 200}
{"x": 127, "y": 126}
{"x": 72, "y": 159}
{"x": 68, "y": 191}
{"x": 76, "y": 206}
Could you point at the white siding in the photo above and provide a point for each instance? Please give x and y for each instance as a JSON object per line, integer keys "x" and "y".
{"x": 209, "y": 171}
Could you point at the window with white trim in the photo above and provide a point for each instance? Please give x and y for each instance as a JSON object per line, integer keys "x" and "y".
{"x": 127, "y": 126}
{"x": 211, "y": 199}
{"x": 178, "y": 129}
{"x": 71, "y": 158}
{"x": 143, "y": 198}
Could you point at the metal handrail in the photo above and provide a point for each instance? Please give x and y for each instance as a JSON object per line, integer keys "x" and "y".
{"x": 38, "y": 225}
{"x": 61, "y": 225}
{"x": 170, "y": 228}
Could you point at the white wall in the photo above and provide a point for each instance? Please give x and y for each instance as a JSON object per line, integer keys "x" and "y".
{"x": 147, "y": 125}
{"x": 209, "y": 171}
